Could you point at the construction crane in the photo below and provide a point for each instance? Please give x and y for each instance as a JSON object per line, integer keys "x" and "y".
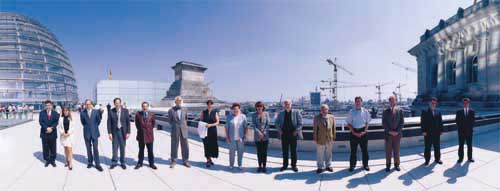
{"x": 405, "y": 67}
{"x": 333, "y": 84}
{"x": 398, "y": 93}
{"x": 379, "y": 90}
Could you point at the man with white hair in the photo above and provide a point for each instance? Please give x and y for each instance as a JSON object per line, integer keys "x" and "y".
{"x": 324, "y": 135}
{"x": 177, "y": 117}
{"x": 289, "y": 126}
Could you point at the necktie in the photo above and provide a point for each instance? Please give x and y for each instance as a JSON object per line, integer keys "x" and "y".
{"x": 48, "y": 113}
{"x": 145, "y": 116}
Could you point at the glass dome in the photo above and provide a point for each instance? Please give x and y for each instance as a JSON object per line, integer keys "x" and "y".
{"x": 33, "y": 64}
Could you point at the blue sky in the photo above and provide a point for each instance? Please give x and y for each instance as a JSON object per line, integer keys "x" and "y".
{"x": 255, "y": 50}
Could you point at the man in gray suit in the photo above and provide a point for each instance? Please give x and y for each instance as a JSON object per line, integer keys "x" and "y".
{"x": 119, "y": 131}
{"x": 393, "y": 122}
{"x": 91, "y": 118}
{"x": 177, "y": 117}
{"x": 289, "y": 126}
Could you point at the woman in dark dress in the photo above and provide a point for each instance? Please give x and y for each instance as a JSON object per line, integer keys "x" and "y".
{"x": 210, "y": 145}
{"x": 260, "y": 121}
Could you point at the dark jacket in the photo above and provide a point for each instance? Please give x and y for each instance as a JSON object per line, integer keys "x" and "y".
{"x": 91, "y": 125}
{"x": 465, "y": 125}
{"x": 44, "y": 121}
{"x": 145, "y": 127}
{"x": 431, "y": 124}
{"x": 113, "y": 121}
{"x": 393, "y": 122}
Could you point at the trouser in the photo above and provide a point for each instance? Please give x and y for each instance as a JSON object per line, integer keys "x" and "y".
{"x": 392, "y": 145}
{"x": 118, "y": 143}
{"x": 49, "y": 149}
{"x": 262, "y": 152}
{"x": 324, "y": 155}
{"x": 363, "y": 143}
{"x": 151, "y": 157}
{"x": 289, "y": 143}
{"x": 176, "y": 137}
{"x": 462, "y": 138}
{"x": 90, "y": 144}
{"x": 434, "y": 141}
{"x": 236, "y": 146}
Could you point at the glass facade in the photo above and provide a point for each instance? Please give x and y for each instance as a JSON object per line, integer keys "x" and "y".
{"x": 33, "y": 64}
{"x": 132, "y": 93}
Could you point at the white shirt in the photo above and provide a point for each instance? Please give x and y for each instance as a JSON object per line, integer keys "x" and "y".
{"x": 118, "y": 113}
{"x": 179, "y": 114}
{"x": 236, "y": 123}
{"x": 466, "y": 111}
{"x": 89, "y": 111}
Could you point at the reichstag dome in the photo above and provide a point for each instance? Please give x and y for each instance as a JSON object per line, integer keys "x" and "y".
{"x": 33, "y": 64}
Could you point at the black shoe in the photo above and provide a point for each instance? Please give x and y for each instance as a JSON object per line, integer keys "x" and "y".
{"x": 113, "y": 166}
{"x": 295, "y": 169}
{"x": 351, "y": 169}
{"x": 426, "y": 163}
{"x": 329, "y": 169}
{"x": 397, "y": 168}
{"x": 99, "y": 168}
{"x": 459, "y": 160}
{"x": 282, "y": 169}
{"x": 319, "y": 171}
{"x": 211, "y": 163}
{"x": 259, "y": 169}
{"x": 89, "y": 165}
{"x": 471, "y": 160}
{"x": 439, "y": 162}
{"x": 207, "y": 164}
{"x": 47, "y": 164}
{"x": 123, "y": 166}
{"x": 153, "y": 166}
{"x": 366, "y": 168}
{"x": 264, "y": 170}
{"x": 137, "y": 166}
{"x": 53, "y": 164}
{"x": 387, "y": 169}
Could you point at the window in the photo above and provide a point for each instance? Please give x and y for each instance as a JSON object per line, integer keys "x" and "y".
{"x": 473, "y": 69}
{"x": 452, "y": 65}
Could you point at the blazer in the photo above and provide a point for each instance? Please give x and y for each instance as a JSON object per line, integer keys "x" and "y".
{"x": 44, "y": 121}
{"x": 393, "y": 122}
{"x": 177, "y": 122}
{"x": 113, "y": 121}
{"x": 261, "y": 126}
{"x": 296, "y": 122}
{"x": 230, "y": 126}
{"x": 60, "y": 128}
{"x": 465, "y": 124}
{"x": 431, "y": 124}
{"x": 324, "y": 132}
{"x": 91, "y": 124}
{"x": 145, "y": 127}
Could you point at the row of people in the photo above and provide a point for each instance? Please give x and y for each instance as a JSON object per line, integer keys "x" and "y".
{"x": 288, "y": 123}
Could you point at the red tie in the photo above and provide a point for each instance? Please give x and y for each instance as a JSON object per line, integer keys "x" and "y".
{"x": 49, "y": 116}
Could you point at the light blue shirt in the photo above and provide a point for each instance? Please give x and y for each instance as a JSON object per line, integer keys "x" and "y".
{"x": 358, "y": 118}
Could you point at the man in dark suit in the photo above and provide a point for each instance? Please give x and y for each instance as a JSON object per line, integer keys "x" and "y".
{"x": 48, "y": 120}
{"x": 432, "y": 127}
{"x": 91, "y": 118}
{"x": 465, "y": 119}
{"x": 145, "y": 122}
{"x": 118, "y": 131}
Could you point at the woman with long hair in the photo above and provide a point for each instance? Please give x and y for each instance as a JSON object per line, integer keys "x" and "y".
{"x": 66, "y": 129}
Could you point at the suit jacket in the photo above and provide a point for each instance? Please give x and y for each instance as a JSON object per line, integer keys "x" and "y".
{"x": 113, "y": 121}
{"x": 91, "y": 124}
{"x": 296, "y": 122}
{"x": 177, "y": 122}
{"x": 145, "y": 127}
{"x": 261, "y": 126}
{"x": 393, "y": 122}
{"x": 431, "y": 124}
{"x": 465, "y": 124}
{"x": 324, "y": 132}
{"x": 44, "y": 121}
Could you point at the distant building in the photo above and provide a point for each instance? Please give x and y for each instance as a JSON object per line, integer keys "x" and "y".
{"x": 34, "y": 66}
{"x": 315, "y": 98}
{"x": 190, "y": 85}
{"x": 460, "y": 57}
{"x": 132, "y": 93}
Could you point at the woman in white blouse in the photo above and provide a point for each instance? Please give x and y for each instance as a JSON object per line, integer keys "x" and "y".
{"x": 66, "y": 128}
